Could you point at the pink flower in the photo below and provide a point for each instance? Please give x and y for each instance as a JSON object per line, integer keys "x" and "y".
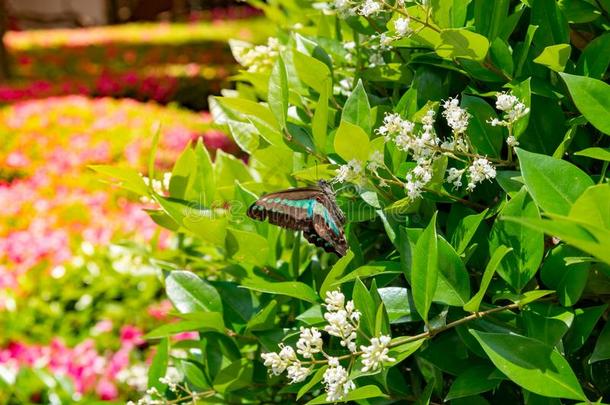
{"x": 103, "y": 326}
{"x": 17, "y": 160}
{"x": 131, "y": 336}
{"x": 106, "y": 390}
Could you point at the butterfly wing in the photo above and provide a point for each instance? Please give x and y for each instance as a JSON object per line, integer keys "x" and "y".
{"x": 308, "y": 209}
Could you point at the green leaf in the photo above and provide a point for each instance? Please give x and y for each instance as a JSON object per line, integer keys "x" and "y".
{"x": 568, "y": 281}
{"x": 245, "y": 109}
{"x": 194, "y": 374}
{"x": 485, "y": 138}
{"x": 319, "y": 123}
{"x": 462, "y": 43}
{"x": 489, "y": 16}
{"x": 465, "y": 231}
{"x": 158, "y": 367}
{"x": 553, "y": 26}
{"x": 594, "y": 60}
{"x": 602, "y": 347}
{"x": 278, "y": 92}
{"x": 245, "y": 134}
{"x": 130, "y": 179}
{"x": 592, "y": 98}
{"x": 553, "y": 183}
{"x": 204, "y": 183}
{"x": 424, "y": 273}
{"x": 235, "y": 376}
{"x": 593, "y": 207}
{"x": 365, "y": 304}
{"x": 496, "y": 258}
{"x": 547, "y": 322}
{"x": 398, "y": 303}
{"x": 555, "y": 57}
{"x": 190, "y": 293}
{"x": 595, "y": 153}
{"x": 312, "y": 72}
{"x": 400, "y": 351}
{"x": 265, "y": 319}
{"x": 521, "y": 264}
{"x": 453, "y": 283}
{"x": 578, "y": 11}
{"x": 351, "y": 142}
{"x": 294, "y": 289}
{"x": 472, "y": 381}
{"x": 531, "y": 364}
{"x": 335, "y": 273}
{"x": 585, "y": 320}
{"x": 370, "y": 270}
{"x": 449, "y": 13}
{"x": 247, "y": 247}
{"x": 205, "y": 321}
{"x": 317, "y": 377}
{"x": 368, "y": 391}
{"x": 357, "y": 109}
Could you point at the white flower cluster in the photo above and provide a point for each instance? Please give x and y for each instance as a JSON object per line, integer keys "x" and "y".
{"x": 336, "y": 381}
{"x": 342, "y": 318}
{"x": 260, "y": 58}
{"x": 343, "y": 321}
{"x": 135, "y": 376}
{"x": 513, "y": 109}
{"x": 350, "y": 172}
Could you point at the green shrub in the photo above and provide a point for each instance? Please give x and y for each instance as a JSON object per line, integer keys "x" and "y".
{"x": 467, "y": 144}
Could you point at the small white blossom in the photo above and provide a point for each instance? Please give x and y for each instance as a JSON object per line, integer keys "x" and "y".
{"x": 260, "y": 58}
{"x": 454, "y": 176}
{"x": 480, "y": 170}
{"x": 337, "y": 383}
{"x": 401, "y": 26}
{"x": 376, "y": 353}
{"x": 340, "y": 325}
{"x": 513, "y": 109}
{"x": 418, "y": 178}
{"x": 457, "y": 117}
{"x": 172, "y": 378}
{"x": 310, "y": 342}
{"x": 512, "y": 141}
{"x": 279, "y": 362}
{"x": 297, "y": 373}
{"x": 351, "y": 172}
{"x": 376, "y": 59}
{"x": 369, "y": 8}
{"x": 335, "y": 300}
{"x": 375, "y": 161}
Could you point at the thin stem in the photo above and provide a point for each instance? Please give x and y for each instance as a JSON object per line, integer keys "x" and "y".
{"x": 428, "y": 334}
{"x": 422, "y": 22}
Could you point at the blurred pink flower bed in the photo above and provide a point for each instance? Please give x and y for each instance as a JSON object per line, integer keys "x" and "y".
{"x": 59, "y": 220}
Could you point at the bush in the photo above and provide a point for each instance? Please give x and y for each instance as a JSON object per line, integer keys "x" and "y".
{"x": 467, "y": 144}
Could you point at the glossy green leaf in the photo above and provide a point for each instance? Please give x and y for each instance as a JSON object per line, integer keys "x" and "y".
{"x": 553, "y": 25}
{"x": 485, "y": 138}
{"x": 235, "y": 376}
{"x": 368, "y": 391}
{"x": 496, "y": 258}
{"x": 595, "y": 153}
{"x": 245, "y": 134}
{"x": 317, "y": 377}
{"x": 312, "y": 72}
{"x": 462, "y": 43}
{"x": 424, "y": 273}
{"x": 278, "y": 92}
{"x": 453, "y": 282}
{"x": 129, "y": 178}
{"x": 585, "y": 320}
{"x": 553, "y": 183}
{"x": 247, "y": 247}
{"x": 592, "y": 98}
{"x": 158, "y": 367}
{"x": 335, "y": 273}
{"x": 593, "y": 207}
{"x": 194, "y": 373}
{"x": 206, "y": 322}
{"x": 472, "y": 381}
{"x": 594, "y": 60}
{"x": 547, "y": 322}
{"x": 555, "y": 57}
{"x": 190, "y": 293}
{"x": 579, "y": 11}
{"x": 398, "y": 302}
{"x": 357, "y": 109}
{"x": 568, "y": 280}
{"x": 521, "y": 264}
{"x": 265, "y": 318}
{"x": 319, "y": 123}
{"x": 294, "y": 289}
{"x": 351, "y": 142}
{"x": 489, "y": 16}
{"x": 602, "y": 346}
{"x": 531, "y": 364}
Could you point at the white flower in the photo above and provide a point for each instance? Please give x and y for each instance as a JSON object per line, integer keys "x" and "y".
{"x": 279, "y": 362}
{"x": 512, "y": 141}
{"x": 352, "y": 312}
{"x": 351, "y": 172}
{"x": 385, "y": 41}
{"x": 454, "y": 176}
{"x": 376, "y": 353}
{"x": 310, "y": 342}
{"x": 335, "y": 300}
{"x": 418, "y": 178}
{"x": 376, "y": 59}
{"x": 339, "y": 325}
{"x": 480, "y": 170}
{"x": 401, "y": 26}
{"x": 337, "y": 383}
{"x": 512, "y": 107}
{"x": 369, "y": 8}
{"x": 375, "y": 161}
{"x": 260, "y": 58}
{"x": 333, "y": 362}
{"x": 172, "y": 378}
{"x": 457, "y": 118}
{"x": 297, "y": 373}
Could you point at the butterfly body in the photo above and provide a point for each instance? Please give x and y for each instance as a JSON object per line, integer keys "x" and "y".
{"x": 312, "y": 210}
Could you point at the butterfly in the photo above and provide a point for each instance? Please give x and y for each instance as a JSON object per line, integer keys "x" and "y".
{"x": 313, "y": 210}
